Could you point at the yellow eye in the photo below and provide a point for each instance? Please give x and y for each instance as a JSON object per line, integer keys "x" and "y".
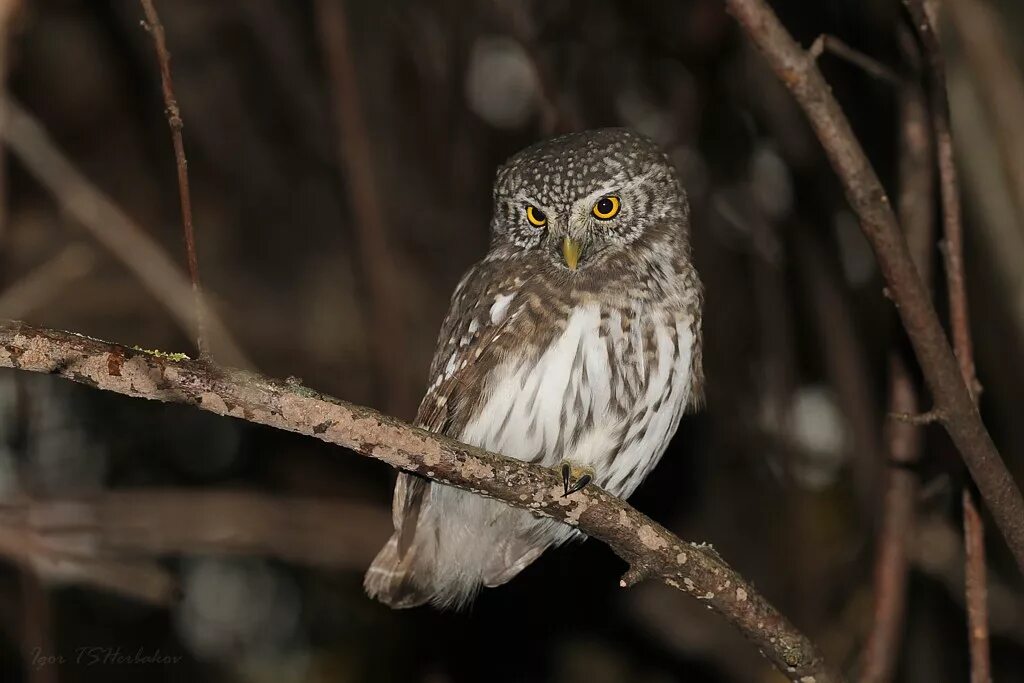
{"x": 606, "y": 207}
{"x": 536, "y": 217}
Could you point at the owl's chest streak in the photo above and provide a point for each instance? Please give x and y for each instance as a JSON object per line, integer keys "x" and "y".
{"x": 606, "y": 392}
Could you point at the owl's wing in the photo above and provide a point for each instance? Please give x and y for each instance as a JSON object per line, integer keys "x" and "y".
{"x": 481, "y": 310}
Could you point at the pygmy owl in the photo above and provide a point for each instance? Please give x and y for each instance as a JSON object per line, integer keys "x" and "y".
{"x": 575, "y": 343}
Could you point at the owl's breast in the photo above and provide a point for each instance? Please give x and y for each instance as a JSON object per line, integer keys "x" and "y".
{"x": 607, "y": 392}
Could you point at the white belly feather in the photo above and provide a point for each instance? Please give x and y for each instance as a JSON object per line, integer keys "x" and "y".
{"x": 532, "y": 406}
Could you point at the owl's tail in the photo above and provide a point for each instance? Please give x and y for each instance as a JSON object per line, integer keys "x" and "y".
{"x": 451, "y": 544}
{"x": 390, "y": 579}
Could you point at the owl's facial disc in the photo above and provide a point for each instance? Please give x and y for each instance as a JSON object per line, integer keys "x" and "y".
{"x": 583, "y": 199}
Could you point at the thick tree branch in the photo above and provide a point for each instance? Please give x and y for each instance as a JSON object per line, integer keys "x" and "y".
{"x": 958, "y": 413}
{"x": 650, "y": 550}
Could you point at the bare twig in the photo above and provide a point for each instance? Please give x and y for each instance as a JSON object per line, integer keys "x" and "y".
{"x": 868, "y": 64}
{"x": 174, "y": 120}
{"x": 903, "y": 447}
{"x": 919, "y": 419}
{"x": 952, "y": 219}
{"x": 650, "y": 550}
{"x": 976, "y": 591}
{"x": 867, "y": 197}
{"x": 377, "y": 255}
{"x": 903, "y": 438}
{"x": 949, "y": 192}
{"x": 937, "y": 551}
{"x": 111, "y": 226}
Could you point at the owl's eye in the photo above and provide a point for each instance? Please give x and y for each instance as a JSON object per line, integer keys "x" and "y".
{"x": 536, "y": 217}
{"x": 607, "y": 207}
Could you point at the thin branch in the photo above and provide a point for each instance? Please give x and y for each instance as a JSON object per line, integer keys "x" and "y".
{"x": 959, "y": 320}
{"x": 976, "y": 591}
{"x": 649, "y": 549}
{"x": 143, "y": 257}
{"x": 377, "y": 255}
{"x": 949, "y": 192}
{"x": 937, "y": 552}
{"x": 918, "y": 419}
{"x": 866, "y": 63}
{"x": 174, "y": 120}
{"x": 903, "y": 438}
{"x": 903, "y": 448}
{"x": 867, "y": 197}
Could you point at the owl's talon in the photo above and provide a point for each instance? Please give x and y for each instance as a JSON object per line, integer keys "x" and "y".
{"x": 583, "y": 476}
{"x": 580, "y": 483}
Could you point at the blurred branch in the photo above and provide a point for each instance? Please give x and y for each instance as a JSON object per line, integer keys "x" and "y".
{"x": 8, "y": 10}
{"x": 903, "y": 438}
{"x": 1000, "y": 240}
{"x": 151, "y": 523}
{"x": 976, "y": 591}
{"x": 845, "y": 360}
{"x": 650, "y": 550}
{"x": 47, "y": 281}
{"x": 937, "y": 551}
{"x": 870, "y": 65}
{"x": 984, "y": 41}
{"x": 952, "y": 217}
{"x": 156, "y": 29}
{"x": 954, "y": 402}
{"x": 36, "y": 626}
{"x": 903, "y": 447}
{"x": 377, "y": 258}
{"x": 558, "y": 115}
{"x": 143, "y": 580}
{"x": 109, "y": 225}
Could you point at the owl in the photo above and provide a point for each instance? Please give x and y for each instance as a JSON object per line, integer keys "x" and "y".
{"x": 575, "y": 344}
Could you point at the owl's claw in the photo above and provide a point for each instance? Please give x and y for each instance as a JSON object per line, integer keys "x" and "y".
{"x": 583, "y": 477}
{"x": 580, "y": 483}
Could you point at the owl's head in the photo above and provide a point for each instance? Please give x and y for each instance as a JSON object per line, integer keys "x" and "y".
{"x": 584, "y": 198}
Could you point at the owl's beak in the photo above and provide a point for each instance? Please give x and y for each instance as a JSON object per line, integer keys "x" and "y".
{"x": 571, "y": 252}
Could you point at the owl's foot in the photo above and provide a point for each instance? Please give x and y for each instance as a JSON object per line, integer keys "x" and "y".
{"x": 575, "y": 478}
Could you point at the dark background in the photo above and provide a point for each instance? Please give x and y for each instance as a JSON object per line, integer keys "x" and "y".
{"x": 781, "y": 471}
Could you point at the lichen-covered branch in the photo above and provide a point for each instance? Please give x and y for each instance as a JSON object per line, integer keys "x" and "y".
{"x": 650, "y": 550}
